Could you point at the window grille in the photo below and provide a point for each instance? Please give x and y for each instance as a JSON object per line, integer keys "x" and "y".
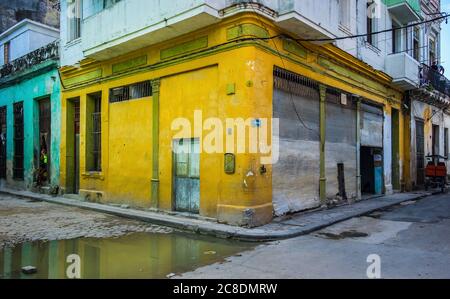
{"x": 129, "y": 92}
{"x": 97, "y": 136}
{"x": 18, "y": 169}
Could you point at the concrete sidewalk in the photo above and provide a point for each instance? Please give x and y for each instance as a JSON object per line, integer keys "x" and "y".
{"x": 281, "y": 228}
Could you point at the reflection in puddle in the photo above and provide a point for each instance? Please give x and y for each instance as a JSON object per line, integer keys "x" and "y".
{"x": 140, "y": 255}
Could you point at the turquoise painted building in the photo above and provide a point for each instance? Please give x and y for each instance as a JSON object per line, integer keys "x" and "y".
{"x": 30, "y": 107}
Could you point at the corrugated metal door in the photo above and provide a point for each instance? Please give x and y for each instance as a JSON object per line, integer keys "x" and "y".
{"x": 340, "y": 146}
{"x": 372, "y": 126}
{"x": 296, "y": 175}
{"x": 187, "y": 175}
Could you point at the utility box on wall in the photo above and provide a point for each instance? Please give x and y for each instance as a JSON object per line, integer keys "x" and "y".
{"x": 230, "y": 163}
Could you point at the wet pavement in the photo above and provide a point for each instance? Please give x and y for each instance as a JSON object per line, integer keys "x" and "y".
{"x": 135, "y": 256}
{"x": 411, "y": 239}
{"x": 43, "y": 236}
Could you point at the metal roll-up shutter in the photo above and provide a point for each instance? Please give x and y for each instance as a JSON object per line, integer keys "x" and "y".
{"x": 340, "y": 145}
{"x": 296, "y": 174}
{"x": 371, "y": 126}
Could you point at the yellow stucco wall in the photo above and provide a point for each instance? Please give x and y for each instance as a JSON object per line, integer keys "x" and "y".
{"x": 198, "y": 81}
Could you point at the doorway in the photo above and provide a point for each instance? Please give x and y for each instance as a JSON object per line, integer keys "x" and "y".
{"x": 18, "y": 161}
{"x": 371, "y": 170}
{"x": 186, "y": 153}
{"x": 395, "y": 150}
{"x": 3, "y": 143}
{"x": 420, "y": 152}
{"x": 45, "y": 137}
{"x": 436, "y": 141}
{"x": 73, "y": 146}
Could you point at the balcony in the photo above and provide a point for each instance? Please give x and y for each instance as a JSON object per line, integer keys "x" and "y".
{"x": 405, "y": 11}
{"x": 133, "y": 24}
{"x": 308, "y": 19}
{"x": 404, "y": 70}
{"x": 433, "y": 80}
{"x": 129, "y": 25}
{"x": 18, "y": 66}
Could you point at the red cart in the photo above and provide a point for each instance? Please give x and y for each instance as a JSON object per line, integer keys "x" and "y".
{"x": 436, "y": 172}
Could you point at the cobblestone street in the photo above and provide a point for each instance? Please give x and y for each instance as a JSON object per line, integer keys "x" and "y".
{"x": 24, "y": 220}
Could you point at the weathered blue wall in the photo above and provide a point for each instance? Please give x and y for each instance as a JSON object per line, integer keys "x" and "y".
{"x": 30, "y": 91}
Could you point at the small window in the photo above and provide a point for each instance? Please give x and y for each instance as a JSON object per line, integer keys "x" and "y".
{"x": 74, "y": 19}
{"x": 344, "y": 13}
{"x": 432, "y": 51}
{"x": 372, "y": 14}
{"x": 129, "y": 92}
{"x": 7, "y": 52}
{"x": 396, "y": 37}
{"x": 416, "y": 43}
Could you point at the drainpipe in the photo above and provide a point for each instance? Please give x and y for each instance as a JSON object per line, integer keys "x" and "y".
{"x": 323, "y": 179}
{"x": 155, "y": 143}
{"x": 358, "y": 148}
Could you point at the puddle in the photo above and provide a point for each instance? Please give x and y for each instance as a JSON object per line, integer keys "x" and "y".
{"x": 344, "y": 235}
{"x": 135, "y": 256}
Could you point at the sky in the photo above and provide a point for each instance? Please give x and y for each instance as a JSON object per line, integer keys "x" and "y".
{"x": 445, "y": 38}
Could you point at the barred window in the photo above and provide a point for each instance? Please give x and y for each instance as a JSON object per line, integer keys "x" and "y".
{"x": 94, "y": 130}
{"x": 129, "y": 92}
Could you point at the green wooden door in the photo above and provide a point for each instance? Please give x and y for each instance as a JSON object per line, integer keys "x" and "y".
{"x": 187, "y": 175}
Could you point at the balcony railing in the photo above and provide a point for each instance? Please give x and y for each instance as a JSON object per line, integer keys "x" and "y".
{"x": 433, "y": 79}
{"x": 38, "y": 56}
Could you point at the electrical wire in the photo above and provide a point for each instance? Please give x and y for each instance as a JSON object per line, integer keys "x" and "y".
{"x": 290, "y": 93}
{"x": 446, "y": 15}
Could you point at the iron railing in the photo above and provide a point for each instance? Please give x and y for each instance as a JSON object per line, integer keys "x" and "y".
{"x": 433, "y": 79}
{"x": 50, "y": 51}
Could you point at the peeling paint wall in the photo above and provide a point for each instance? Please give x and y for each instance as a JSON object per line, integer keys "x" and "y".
{"x": 229, "y": 81}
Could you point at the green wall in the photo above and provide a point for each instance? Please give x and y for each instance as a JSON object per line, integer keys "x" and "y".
{"x": 30, "y": 89}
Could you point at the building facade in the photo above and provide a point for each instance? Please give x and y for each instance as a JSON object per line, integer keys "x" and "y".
{"x": 29, "y": 106}
{"x": 136, "y": 74}
{"x": 409, "y": 52}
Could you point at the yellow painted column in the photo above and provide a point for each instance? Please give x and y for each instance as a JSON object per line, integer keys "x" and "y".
{"x": 155, "y": 143}
{"x": 323, "y": 179}
{"x": 358, "y": 149}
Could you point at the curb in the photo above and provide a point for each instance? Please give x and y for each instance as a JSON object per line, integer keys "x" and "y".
{"x": 211, "y": 228}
